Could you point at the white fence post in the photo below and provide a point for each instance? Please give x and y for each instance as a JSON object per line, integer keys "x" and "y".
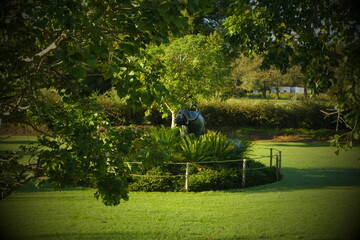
{"x": 277, "y": 167}
{"x": 280, "y": 160}
{"x": 187, "y": 177}
{"x": 243, "y": 173}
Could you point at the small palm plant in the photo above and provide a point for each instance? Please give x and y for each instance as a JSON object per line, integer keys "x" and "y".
{"x": 194, "y": 149}
{"x": 220, "y": 147}
{"x": 168, "y": 136}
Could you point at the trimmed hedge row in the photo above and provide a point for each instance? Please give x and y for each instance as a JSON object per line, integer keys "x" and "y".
{"x": 302, "y": 114}
{"x": 296, "y": 114}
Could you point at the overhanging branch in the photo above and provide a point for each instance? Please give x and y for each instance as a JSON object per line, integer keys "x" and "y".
{"x": 36, "y": 128}
{"x": 47, "y": 50}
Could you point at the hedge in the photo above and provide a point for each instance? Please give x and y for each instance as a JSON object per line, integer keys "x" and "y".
{"x": 295, "y": 114}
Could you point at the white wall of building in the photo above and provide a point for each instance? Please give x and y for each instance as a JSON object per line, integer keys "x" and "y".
{"x": 289, "y": 89}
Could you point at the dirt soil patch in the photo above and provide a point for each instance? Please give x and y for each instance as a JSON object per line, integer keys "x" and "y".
{"x": 11, "y": 130}
{"x": 295, "y": 138}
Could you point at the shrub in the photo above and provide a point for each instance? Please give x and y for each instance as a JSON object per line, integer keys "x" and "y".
{"x": 151, "y": 184}
{"x": 160, "y": 145}
{"x": 219, "y": 147}
{"x": 212, "y": 179}
{"x": 194, "y": 149}
{"x": 241, "y": 148}
{"x": 203, "y": 177}
{"x": 295, "y": 114}
{"x": 174, "y": 148}
{"x": 211, "y": 146}
{"x": 260, "y": 176}
{"x": 240, "y": 113}
{"x": 170, "y": 137}
{"x": 307, "y": 114}
{"x": 156, "y": 146}
{"x": 119, "y": 113}
{"x": 229, "y": 178}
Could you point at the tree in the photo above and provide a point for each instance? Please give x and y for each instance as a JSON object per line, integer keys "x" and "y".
{"x": 57, "y": 44}
{"x": 319, "y": 36}
{"x": 194, "y": 66}
{"x": 248, "y": 71}
{"x": 212, "y": 19}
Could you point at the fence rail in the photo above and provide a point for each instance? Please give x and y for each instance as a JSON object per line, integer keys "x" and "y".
{"x": 274, "y": 154}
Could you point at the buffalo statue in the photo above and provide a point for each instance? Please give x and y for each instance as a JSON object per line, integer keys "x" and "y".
{"x": 190, "y": 121}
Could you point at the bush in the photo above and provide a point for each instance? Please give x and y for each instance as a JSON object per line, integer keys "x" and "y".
{"x": 295, "y": 114}
{"x": 163, "y": 146}
{"x": 167, "y": 144}
{"x": 212, "y": 179}
{"x": 243, "y": 113}
{"x": 308, "y": 115}
{"x": 220, "y": 148}
{"x": 202, "y": 178}
{"x": 194, "y": 149}
{"x": 152, "y": 184}
{"x": 219, "y": 178}
{"x": 260, "y": 176}
{"x": 119, "y": 113}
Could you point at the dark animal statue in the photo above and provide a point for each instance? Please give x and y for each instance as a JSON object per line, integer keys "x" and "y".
{"x": 190, "y": 121}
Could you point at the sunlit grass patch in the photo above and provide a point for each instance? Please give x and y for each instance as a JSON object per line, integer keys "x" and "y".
{"x": 317, "y": 199}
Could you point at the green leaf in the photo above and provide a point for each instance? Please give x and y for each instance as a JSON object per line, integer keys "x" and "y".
{"x": 91, "y": 60}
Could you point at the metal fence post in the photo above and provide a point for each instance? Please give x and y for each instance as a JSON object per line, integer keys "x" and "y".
{"x": 271, "y": 156}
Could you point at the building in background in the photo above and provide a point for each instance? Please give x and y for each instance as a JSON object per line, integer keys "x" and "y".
{"x": 289, "y": 89}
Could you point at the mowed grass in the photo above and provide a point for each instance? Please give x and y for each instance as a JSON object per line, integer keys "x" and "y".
{"x": 317, "y": 199}
{"x": 13, "y": 143}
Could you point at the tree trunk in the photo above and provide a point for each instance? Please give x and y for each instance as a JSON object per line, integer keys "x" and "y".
{"x": 173, "y": 115}
{"x": 263, "y": 93}
{"x": 313, "y": 94}
{"x": 277, "y": 92}
{"x": 305, "y": 92}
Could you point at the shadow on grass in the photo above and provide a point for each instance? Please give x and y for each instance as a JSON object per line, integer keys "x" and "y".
{"x": 301, "y": 144}
{"x": 30, "y": 187}
{"x": 293, "y": 179}
{"x": 300, "y": 179}
{"x": 105, "y": 235}
{"x": 18, "y": 142}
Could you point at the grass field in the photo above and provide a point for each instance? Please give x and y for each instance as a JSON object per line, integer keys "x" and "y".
{"x": 271, "y": 99}
{"x": 317, "y": 199}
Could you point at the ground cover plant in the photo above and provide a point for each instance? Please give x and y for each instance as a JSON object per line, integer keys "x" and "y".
{"x": 317, "y": 199}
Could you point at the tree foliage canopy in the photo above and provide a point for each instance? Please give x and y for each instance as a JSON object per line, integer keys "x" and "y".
{"x": 194, "y": 66}
{"x": 322, "y": 37}
{"x": 248, "y": 72}
{"x": 57, "y": 44}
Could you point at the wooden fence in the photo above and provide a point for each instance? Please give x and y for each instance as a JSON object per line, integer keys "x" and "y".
{"x": 274, "y": 156}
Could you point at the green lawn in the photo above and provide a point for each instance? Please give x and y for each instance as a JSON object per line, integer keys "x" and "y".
{"x": 13, "y": 143}
{"x": 317, "y": 199}
{"x": 285, "y": 98}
